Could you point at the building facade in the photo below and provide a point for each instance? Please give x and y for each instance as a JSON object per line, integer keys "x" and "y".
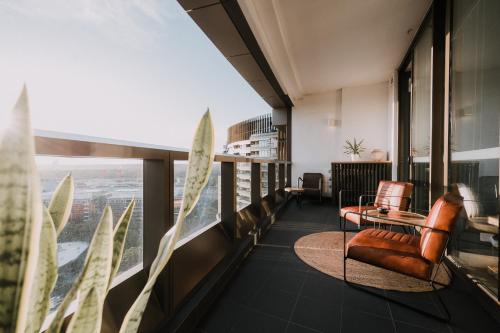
{"x": 255, "y": 138}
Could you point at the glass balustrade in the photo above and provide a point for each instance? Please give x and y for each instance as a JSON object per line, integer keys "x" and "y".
{"x": 98, "y": 182}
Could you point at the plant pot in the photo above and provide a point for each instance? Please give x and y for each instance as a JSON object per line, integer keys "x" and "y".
{"x": 355, "y": 157}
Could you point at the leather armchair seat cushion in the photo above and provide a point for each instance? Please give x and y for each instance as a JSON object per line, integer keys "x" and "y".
{"x": 395, "y": 251}
{"x": 354, "y": 218}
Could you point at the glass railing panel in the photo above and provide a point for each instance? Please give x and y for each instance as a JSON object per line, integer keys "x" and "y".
{"x": 264, "y": 171}
{"x": 98, "y": 182}
{"x": 207, "y": 210}
{"x": 243, "y": 185}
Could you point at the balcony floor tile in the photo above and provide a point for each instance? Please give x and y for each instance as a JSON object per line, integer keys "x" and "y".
{"x": 274, "y": 291}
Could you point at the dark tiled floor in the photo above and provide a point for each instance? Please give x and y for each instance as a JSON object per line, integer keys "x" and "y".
{"x": 274, "y": 291}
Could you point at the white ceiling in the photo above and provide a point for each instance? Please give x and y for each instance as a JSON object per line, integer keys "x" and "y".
{"x": 315, "y": 46}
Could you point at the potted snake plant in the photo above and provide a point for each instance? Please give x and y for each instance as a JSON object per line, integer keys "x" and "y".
{"x": 29, "y": 231}
{"x": 354, "y": 149}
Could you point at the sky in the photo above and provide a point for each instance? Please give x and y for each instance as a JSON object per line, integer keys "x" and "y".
{"x": 136, "y": 70}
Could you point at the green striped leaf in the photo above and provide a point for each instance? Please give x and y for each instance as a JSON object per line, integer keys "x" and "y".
{"x": 20, "y": 218}
{"x": 198, "y": 172}
{"x": 46, "y": 275}
{"x": 119, "y": 236}
{"x": 61, "y": 203}
{"x": 96, "y": 270}
{"x": 87, "y": 317}
{"x": 100, "y": 257}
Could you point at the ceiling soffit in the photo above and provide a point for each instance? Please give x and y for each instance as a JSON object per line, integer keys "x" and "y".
{"x": 323, "y": 45}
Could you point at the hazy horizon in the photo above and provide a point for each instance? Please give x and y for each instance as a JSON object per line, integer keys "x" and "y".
{"x": 130, "y": 70}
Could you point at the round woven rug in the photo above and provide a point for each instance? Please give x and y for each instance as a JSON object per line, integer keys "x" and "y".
{"x": 323, "y": 251}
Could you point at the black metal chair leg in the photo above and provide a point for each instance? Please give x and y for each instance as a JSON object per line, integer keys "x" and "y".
{"x": 441, "y": 302}
{"x": 445, "y": 319}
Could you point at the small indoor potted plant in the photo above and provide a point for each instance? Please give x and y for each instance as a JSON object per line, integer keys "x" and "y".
{"x": 354, "y": 149}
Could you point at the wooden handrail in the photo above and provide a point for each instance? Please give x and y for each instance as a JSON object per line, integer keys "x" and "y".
{"x": 70, "y": 145}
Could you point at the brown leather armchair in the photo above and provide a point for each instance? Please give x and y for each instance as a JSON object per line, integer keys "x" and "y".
{"x": 418, "y": 256}
{"x": 390, "y": 194}
{"x": 312, "y": 184}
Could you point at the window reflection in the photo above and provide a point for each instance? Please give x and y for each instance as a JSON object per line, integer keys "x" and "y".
{"x": 475, "y": 122}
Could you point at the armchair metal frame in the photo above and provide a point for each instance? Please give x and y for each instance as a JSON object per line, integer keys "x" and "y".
{"x": 431, "y": 281}
{"x": 360, "y": 201}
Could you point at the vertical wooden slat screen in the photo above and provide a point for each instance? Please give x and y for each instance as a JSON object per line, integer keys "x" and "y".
{"x": 357, "y": 178}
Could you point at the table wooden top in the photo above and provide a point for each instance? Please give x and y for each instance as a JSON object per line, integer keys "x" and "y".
{"x": 294, "y": 189}
{"x": 394, "y": 217}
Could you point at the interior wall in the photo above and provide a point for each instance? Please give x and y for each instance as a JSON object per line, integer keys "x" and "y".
{"x": 363, "y": 112}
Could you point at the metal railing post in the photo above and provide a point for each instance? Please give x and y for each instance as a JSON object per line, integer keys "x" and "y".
{"x": 271, "y": 179}
{"x": 255, "y": 184}
{"x": 288, "y": 175}
{"x": 157, "y": 220}
{"x": 228, "y": 197}
{"x": 281, "y": 175}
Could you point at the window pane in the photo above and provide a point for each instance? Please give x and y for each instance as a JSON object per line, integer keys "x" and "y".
{"x": 98, "y": 182}
{"x": 475, "y": 152}
{"x": 243, "y": 185}
{"x": 475, "y": 115}
{"x": 421, "y": 118}
{"x": 421, "y": 95}
{"x": 207, "y": 210}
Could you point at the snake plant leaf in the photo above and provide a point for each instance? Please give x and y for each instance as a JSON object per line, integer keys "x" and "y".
{"x": 20, "y": 217}
{"x": 87, "y": 317}
{"x": 100, "y": 257}
{"x": 198, "y": 172}
{"x": 96, "y": 270}
{"x": 61, "y": 203}
{"x": 46, "y": 275}
{"x": 119, "y": 236}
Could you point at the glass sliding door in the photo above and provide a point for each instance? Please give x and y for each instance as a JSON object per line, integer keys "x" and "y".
{"x": 420, "y": 119}
{"x": 474, "y": 136}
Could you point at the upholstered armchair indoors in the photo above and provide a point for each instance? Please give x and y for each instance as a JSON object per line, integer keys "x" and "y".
{"x": 418, "y": 256}
{"x": 312, "y": 183}
{"x": 392, "y": 195}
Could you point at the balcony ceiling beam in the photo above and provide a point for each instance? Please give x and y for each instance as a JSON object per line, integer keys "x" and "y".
{"x": 226, "y": 26}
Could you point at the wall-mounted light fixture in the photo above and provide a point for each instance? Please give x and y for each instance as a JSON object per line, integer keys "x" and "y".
{"x": 332, "y": 122}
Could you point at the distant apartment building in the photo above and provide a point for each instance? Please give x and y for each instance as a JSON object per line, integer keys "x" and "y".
{"x": 255, "y": 137}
